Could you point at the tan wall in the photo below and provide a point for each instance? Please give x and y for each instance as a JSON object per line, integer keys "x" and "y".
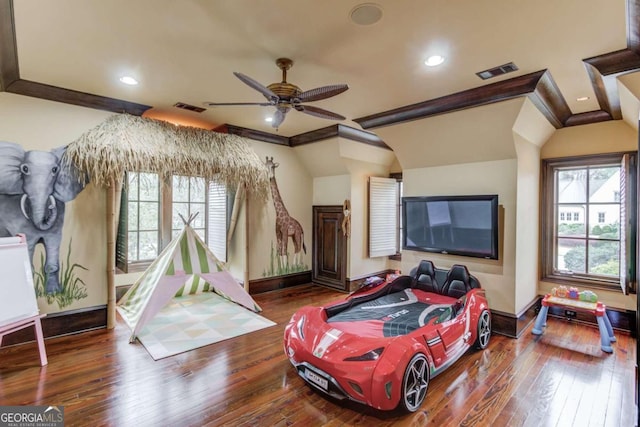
{"x": 527, "y": 222}
{"x": 296, "y": 189}
{"x": 359, "y": 263}
{"x": 331, "y": 190}
{"x": 37, "y": 124}
{"x": 495, "y": 177}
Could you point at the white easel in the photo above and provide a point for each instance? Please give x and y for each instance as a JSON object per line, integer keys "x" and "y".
{"x": 18, "y": 304}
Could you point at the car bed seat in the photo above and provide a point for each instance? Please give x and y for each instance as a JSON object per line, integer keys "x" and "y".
{"x": 424, "y": 277}
{"x": 474, "y": 282}
{"x": 458, "y": 282}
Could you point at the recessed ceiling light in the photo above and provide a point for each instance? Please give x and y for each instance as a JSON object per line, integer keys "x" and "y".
{"x": 268, "y": 119}
{"x": 366, "y": 14}
{"x": 434, "y": 60}
{"x": 582, "y": 98}
{"x": 128, "y": 80}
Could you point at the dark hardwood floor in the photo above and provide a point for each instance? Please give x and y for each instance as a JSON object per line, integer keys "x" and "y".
{"x": 559, "y": 379}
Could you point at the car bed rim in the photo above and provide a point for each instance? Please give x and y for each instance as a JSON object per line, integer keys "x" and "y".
{"x": 484, "y": 329}
{"x": 415, "y": 383}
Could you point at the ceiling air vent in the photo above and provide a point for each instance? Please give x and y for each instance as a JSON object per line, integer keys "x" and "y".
{"x": 497, "y": 71}
{"x": 189, "y": 107}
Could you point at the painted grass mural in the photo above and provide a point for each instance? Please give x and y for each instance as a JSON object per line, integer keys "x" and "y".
{"x": 278, "y": 268}
{"x": 72, "y": 287}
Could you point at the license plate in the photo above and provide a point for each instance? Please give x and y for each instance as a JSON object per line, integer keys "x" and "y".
{"x": 316, "y": 379}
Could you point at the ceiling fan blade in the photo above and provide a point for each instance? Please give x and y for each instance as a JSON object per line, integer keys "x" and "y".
{"x": 322, "y": 92}
{"x": 319, "y": 112}
{"x": 216, "y": 104}
{"x": 278, "y": 117}
{"x": 268, "y": 93}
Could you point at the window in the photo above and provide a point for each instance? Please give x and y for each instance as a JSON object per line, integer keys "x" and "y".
{"x": 143, "y": 232}
{"x": 188, "y": 198}
{"x": 152, "y": 212}
{"x": 592, "y": 249}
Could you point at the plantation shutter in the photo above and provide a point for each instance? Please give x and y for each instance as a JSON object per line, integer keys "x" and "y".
{"x": 217, "y": 220}
{"x": 627, "y": 228}
{"x": 122, "y": 241}
{"x": 383, "y": 216}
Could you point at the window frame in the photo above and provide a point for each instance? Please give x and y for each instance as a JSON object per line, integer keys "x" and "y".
{"x": 548, "y": 225}
{"x": 165, "y": 226}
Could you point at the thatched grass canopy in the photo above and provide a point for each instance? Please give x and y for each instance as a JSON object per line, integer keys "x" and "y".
{"x": 129, "y": 143}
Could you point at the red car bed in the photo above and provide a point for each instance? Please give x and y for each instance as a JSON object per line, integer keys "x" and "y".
{"x": 381, "y": 346}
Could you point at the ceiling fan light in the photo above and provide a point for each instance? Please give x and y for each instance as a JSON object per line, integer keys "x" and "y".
{"x": 268, "y": 119}
{"x": 434, "y": 60}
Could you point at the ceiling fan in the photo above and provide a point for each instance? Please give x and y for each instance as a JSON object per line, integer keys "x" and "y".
{"x": 285, "y": 96}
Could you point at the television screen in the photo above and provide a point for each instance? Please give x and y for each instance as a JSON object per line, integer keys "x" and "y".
{"x": 457, "y": 225}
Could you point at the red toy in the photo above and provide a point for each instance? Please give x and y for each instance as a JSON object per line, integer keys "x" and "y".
{"x": 381, "y": 346}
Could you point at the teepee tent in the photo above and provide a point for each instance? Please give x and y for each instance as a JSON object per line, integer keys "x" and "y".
{"x": 185, "y": 266}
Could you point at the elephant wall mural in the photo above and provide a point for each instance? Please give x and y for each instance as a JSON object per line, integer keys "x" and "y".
{"x": 34, "y": 187}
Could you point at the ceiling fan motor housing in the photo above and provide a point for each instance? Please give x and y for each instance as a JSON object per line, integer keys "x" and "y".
{"x": 286, "y": 91}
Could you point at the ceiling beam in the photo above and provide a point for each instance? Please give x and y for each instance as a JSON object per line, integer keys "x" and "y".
{"x": 603, "y": 71}
{"x": 540, "y": 85}
{"x": 341, "y": 131}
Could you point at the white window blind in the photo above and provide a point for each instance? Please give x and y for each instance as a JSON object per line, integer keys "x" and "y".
{"x": 217, "y": 218}
{"x": 383, "y": 216}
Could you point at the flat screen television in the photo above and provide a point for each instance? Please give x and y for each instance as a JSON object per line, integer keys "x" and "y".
{"x": 456, "y": 225}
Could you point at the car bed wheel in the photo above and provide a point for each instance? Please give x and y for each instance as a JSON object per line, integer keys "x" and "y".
{"x": 415, "y": 383}
{"x": 484, "y": 330}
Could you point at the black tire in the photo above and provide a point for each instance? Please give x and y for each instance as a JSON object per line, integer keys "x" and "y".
{"x": 415, "y": 383}
{"x": 484, "y": 330}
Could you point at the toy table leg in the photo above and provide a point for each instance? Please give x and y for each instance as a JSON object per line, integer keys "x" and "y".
{"x": 607, "y": 324}
{"x": 605, "y": 340}
{"x": 541, "y": 321}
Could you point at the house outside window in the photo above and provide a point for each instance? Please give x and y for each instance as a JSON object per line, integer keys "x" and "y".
{"x": 152, "y": 212}
{"x": 590, "y": 245}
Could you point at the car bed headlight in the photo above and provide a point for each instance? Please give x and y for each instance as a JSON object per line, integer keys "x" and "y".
{"x": 370, "y": 355}
{"x": 300, "y": 327}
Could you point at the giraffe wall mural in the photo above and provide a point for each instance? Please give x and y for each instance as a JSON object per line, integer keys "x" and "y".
{"x": 286, "y": 226}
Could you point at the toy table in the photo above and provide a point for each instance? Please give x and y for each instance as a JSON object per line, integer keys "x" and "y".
{"x": 598, "y": 309}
